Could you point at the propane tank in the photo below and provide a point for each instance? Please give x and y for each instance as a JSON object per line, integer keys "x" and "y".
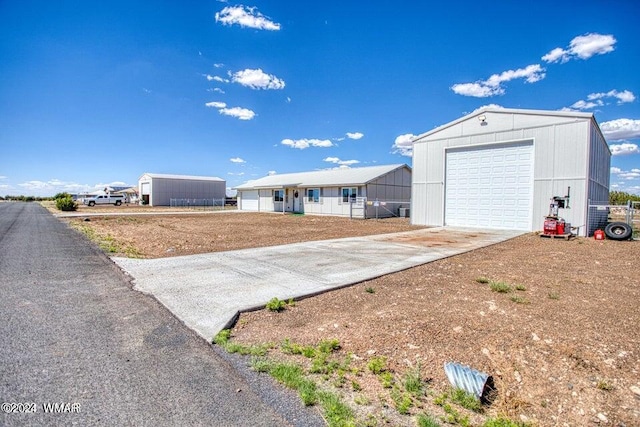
{"x": 598, "y": 235}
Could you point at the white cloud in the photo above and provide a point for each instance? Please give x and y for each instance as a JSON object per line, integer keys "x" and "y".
{"x": 237, "y": 160}
{"x": 623, "y": 97}
{"x": 53, "y": 186}
{"x": 623, "y": 149}
{"x": 596, "y": 100}
{"x": 493, "y": 106}
{"x": 301, "y": 144}
{"x": 235, "y": 174}
{"x": 583, "y": 47}
{"x": 245, "y": 17}
{"x": 404, "y": 144}
{"x": 238, "y": 112}
{"x": 214, "y": 104}
{"x": 629, "y": 175}
{"x": 585, "y": 105}
{"x": 218, "y": 65}
{"x": 478, "y": 90}
{"x": 557, "y": 54}
{"x": 270, "y": 173}
{"x": 619, "y": 129}
{"x": 216, "y": 89}
{"x": 354, "y": 135}
{"x": 337, "y": 161}
{"x": 216, "y": 78}
{"x": 493, "y": 85}
{"x": 257, "y": 79}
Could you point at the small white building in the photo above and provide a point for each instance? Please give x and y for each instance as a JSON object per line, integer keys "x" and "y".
{"x": 499, "y": 168}
{"x": 159, "y": 189}
{"x": 359, "y": 192}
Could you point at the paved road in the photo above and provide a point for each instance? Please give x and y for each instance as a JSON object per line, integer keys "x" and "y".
{"x": 72, "y": 330}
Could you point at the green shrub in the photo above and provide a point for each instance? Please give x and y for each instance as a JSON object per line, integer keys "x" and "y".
{"x": 66, "y": 204}
{"x": 502, "y": 422}
{"x": 413, "y": 382}
{"x": 501, "y": 287}
{"x": 425, "y": 420}
{"x": 377, "y": 365}
{"x": 466, "y": 400}
{"x": 402, "y": 401}
{"x": 328, "y": 346}
{"x": 276, "y": 305}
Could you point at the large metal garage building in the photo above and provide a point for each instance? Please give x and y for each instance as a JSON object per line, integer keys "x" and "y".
{"x": 499, "y": 168}
{"x": 158, "y": 189}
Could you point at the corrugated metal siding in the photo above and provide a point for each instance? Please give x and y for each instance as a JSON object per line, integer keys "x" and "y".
{"x": 163, "y": 190}
{"x": 394, "y": 186}
{"x": 599, "y": 167}
{"x": 569, "y": 151}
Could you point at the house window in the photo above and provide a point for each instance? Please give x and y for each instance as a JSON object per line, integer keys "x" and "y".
{"x": 349, "y": 194}
{"x": 313, "y": 195}
{"x": 278, "y": 195}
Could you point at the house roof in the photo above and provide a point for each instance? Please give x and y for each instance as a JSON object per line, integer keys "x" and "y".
{"x": 185, "y": 177}
{"x": 568, "y": 114}
{"x": 322, "y": 178}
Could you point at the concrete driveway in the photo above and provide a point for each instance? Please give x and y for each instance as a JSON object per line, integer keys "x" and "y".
{"x": 208, "y": 291}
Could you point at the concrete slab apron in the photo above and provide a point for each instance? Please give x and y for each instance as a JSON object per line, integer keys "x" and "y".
{"x": 207, "y": 291}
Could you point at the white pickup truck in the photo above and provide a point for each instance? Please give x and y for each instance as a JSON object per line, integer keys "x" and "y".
{"x": 105, "y": 199}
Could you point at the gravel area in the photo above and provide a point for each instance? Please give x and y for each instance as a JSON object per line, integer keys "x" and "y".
{"x": 562, "y": 345}
{"x": 562, "y": 350}
{"x": 172, "y": 235}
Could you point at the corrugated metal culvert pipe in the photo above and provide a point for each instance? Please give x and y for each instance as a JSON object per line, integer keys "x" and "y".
{"x": 470, "y": 380}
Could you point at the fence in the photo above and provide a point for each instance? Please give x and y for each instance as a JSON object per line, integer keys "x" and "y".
{"x": 599, "y": 214}
{"x": 366, "y": 209}
{"x": 198, "y": 204}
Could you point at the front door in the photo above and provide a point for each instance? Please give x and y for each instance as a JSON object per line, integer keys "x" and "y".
{"x": 297, "y": 201}
{"x": 293, "y": 200}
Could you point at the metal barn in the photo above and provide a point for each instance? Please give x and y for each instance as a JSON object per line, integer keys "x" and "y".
{"x": 159, "y": 189}
{"x": 367, "y": 192}
{"x": 499, "y": 168}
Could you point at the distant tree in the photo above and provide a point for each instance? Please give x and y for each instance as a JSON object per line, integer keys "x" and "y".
{"x": 66, "y": 203}
{"x": 61, "y": 195}
{"x": 621, "y": 198}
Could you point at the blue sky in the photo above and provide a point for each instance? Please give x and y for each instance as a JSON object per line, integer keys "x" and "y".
{"x": 97, "y": 93}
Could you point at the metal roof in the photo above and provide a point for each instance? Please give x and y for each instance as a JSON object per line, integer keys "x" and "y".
{"x": 322, "y": 178}
{"x": 574, "y": 114}
{"x": 186, "y": 177}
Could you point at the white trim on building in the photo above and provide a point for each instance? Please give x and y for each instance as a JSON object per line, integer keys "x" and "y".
{"x": 499, "y": 168}
{"x": 323, "y": 192}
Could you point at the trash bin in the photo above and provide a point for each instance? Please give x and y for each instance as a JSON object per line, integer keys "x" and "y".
{"x": 403, "y": 212}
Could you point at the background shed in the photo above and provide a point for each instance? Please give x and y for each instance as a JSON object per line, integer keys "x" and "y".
{"x": 158, "y": 189}
{"x": 499, "y": 168}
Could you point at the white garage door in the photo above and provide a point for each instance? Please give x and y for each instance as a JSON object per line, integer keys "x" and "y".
{"x": 490, "y": 186}
{"x": 249, "y": 200}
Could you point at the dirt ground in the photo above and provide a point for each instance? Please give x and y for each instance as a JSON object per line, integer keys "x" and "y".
{"x": 562, "y": 346}
{"x": 158, "y": 236}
